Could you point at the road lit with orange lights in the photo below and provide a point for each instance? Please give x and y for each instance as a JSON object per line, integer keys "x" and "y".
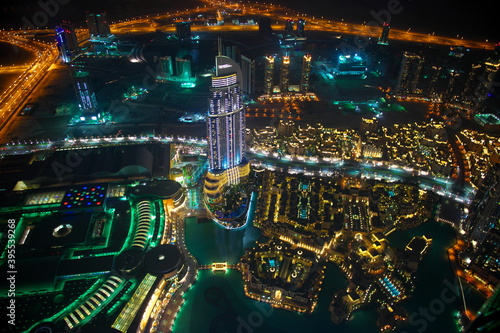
{"x": 11, "y": 99}
{"x": 16, "y": 94}
{"x": 278, "y": 16}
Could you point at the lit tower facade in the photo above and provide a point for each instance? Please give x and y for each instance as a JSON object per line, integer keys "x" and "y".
{"x": 226, "y": 130}
{"x": 92, "y": 24}
{"x": 468, "y": 93}
{"x": 301, "y": 26}
{"x": 248, "y": 70}
{"x": 269, "y": 75}
{"x": 306, "y": 70}
{"x": 484, "y": 86}
{"x": 384, "y": 37}
{"x": 98, "y": 26}
{"x": 409, "y": 74}
{"x": 435, "y": 72}
{"x": 166, "y": 69}
{"x": 484, "y": 211}
{"x": 289, "y": 26}
{"x": 226, "y": 122}
{"x": 67, "y": 41}
{"x": 285, "y": 74}
{"x": 231, "y": 51}
{"x": 486, "y": 320}
{"x": 449, "y": 93}
{"x": 183, "y": 30}
{"x": 85, "y": 95}
{"x": 183, "y": 68}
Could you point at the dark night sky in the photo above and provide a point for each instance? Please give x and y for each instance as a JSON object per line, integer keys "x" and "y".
{"x": 14, "y": 12}
{"x": 445, "y": 17}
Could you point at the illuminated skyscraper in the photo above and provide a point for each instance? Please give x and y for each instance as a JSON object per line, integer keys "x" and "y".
{"x": 434, "y": 74}
{"x": 449, "y": 94}
{"x": 484, "y": 212}
{"x": 226, "y": 132}
{"x": 285, "y": 74}
{"x": 479, "y": 83}
{"x": 468, "y": 93}
{"x": 85, "y": 95}
{"x": 301, "y": 25}
{"x": 492, "y": 65}
{"x": 67, "y": 41}
{"x": 289, "y": 26}
{"x": 265, "y": 28}
{"x": 183, "y": 30}
{"x": 98, "y": 26}
{"x": 226, "y": 117}
{"x": 165, "y": 67}
{"x": 485, "y": 84}
{"x": 486, "y": 320}
{"x": 306, "y": 70}
{"x": 368, "y": 125}
{"x": 231, "y": 51}
{"x": 269, "y": 75}
{"x": 90, "y": 18}
{"x": 384, "y": 37}
{"x": 183, "y": 68}
{"x": 409, "y": 74}
{"x": 248, "y": 70}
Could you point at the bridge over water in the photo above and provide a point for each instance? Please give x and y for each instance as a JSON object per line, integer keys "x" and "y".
{"x": 219, "y": 267}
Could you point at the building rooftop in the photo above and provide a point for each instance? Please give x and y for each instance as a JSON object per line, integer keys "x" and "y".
{"x": 487, "y": 119}
{"x": 100, "y": 162}
{"x": 163, "y": 259}
{"x": 161, "y": 189}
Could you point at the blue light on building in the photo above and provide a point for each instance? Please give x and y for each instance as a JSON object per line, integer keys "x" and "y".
{"x": 66, "y": 42}
{"x": 226, "y": 117}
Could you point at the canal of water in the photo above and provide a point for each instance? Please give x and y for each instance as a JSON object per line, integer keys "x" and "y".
{"x": 216, "y": 302}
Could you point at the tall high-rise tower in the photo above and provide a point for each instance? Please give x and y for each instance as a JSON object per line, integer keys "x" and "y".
{"x": 486, "y": 320}
{"x": 468, "y": 93}
{"x": 484, "y": 86}
{"x": 248, "y": 70}
{"x": 384, "y": 37}
{"x": 231, "y": 51}
{"x": 67, "y": 41}
{"x": 301, "y": 25}
{"x": 183, "y": 68}
{"x": 409, "y": 74}
{"x": 226, "y": 130}
{"x": 269, "y": 75}
{"x": 166, "y": 69}
{"x": 226, "y": 117}
{"x": 85, "y": 95}
{"x": 449, "y": 94}
{"x": 98, "y": 26}
{"x": 434, "y": 74}
{"x": 306, "y": 70}
{"x": 183, "y": 30}
{"x": 484, "y": 212}
{"x": 289, "y": 26}
{"x": 285, "y": 74}
{"x": 480, "y": 81}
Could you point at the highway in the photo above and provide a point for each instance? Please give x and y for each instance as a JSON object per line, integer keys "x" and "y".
{"x": 14, "y": 97}
{"x": 278, "y": 16}
{"x": 293, "y": 165}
